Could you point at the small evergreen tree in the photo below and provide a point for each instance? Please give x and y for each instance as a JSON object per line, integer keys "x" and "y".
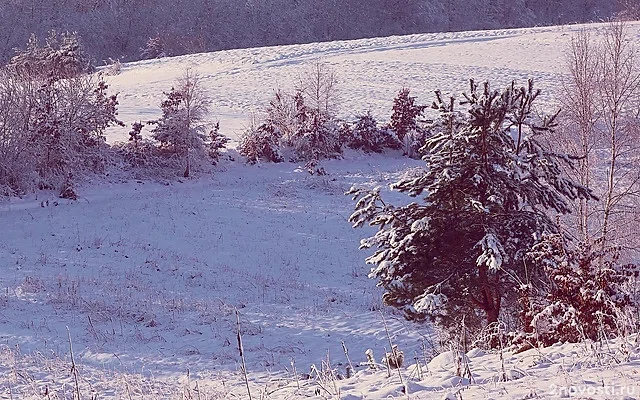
{"x": 317, "y": 137}
{"x": 135, "y": 134}
{"x": 461, "y": 250}
{"x": 268, "y": 141}
{"x": 134, "y": 152}
{"x": 366, "y": 135}
{"x": 217, "y": 142}
{"x": 260, "y": 143}
{"x": 181, "y": 130}
{"x": 404, "y": 121}
{"x": 585, "y": 294}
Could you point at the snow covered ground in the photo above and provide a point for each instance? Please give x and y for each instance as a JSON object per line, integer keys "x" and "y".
{"x": 370, "y": 71}
{"x": 147, "y": 280}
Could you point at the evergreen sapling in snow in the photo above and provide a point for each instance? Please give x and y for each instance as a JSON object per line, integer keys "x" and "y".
{"x": 181, "y": 130}
{"x": 585, "y": 296}
{"x": 260, "y": 143}
{"x": 217, "y": 142}
{"x": 404, "y": 122}
{"x": 366, "y": 135}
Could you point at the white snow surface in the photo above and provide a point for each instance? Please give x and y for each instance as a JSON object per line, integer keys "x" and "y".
{"x": 146, "y": 278}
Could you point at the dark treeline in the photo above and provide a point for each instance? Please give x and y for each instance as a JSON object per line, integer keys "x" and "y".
{"x": 121, "y": 29}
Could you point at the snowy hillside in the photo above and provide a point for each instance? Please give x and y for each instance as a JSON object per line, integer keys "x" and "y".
{"x": 370, "y": 71}
{"x": 139, "y": 29}
{"x": 148, "y": 281}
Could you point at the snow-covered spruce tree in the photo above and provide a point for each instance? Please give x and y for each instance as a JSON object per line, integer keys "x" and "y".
{"x": 318, "y": 134}
{"x": 135, "y": 135}
{"x": 260, "y": 143}
{"x": 137, "y": 151}
{"x": 586, "y": 293}
{"x": 181, "y": 130}
{"x": 216, "y": 142}
{"x": 404, "y": 122}
{"x": 366, "y": 135}
{"x": 460, "y": 251}
{"x": 265, "y": 141}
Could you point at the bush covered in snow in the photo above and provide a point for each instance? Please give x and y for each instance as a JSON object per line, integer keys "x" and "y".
{"x": 366, "y": 135}
{"x": 261, "y": 143}
{"x": 52, "y": 130}
{"x": 61, "y": 56}
{"x": 299, "y": 126}
{"x": 585, "y": 293}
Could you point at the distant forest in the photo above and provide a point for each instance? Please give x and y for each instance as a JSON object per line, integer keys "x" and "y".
{"x": 135, "y": 29}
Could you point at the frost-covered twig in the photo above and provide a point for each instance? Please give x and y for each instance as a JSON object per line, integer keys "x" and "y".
{"x": 394, "y": 352}
{"x": 295, "y": 373}
{"x": 241, "y": 351}
{"x": 74, "y": 368}
{"x": 350, "y": 369}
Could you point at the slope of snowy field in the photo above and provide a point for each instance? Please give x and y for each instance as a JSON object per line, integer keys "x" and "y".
{"x": 370, "y": 71}
{"x": 148, "y": 281}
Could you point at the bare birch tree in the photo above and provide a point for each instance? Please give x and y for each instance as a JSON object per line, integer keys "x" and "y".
{"x": 619, "y": 92}
{"x": 319, "y": 85}
{"x": 602, "y": 98}
{"x": 581, "y": 136}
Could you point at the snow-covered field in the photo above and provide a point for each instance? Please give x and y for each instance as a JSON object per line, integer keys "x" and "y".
{"x": 370, "y": 71}
{"x": 147, "y": 280}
